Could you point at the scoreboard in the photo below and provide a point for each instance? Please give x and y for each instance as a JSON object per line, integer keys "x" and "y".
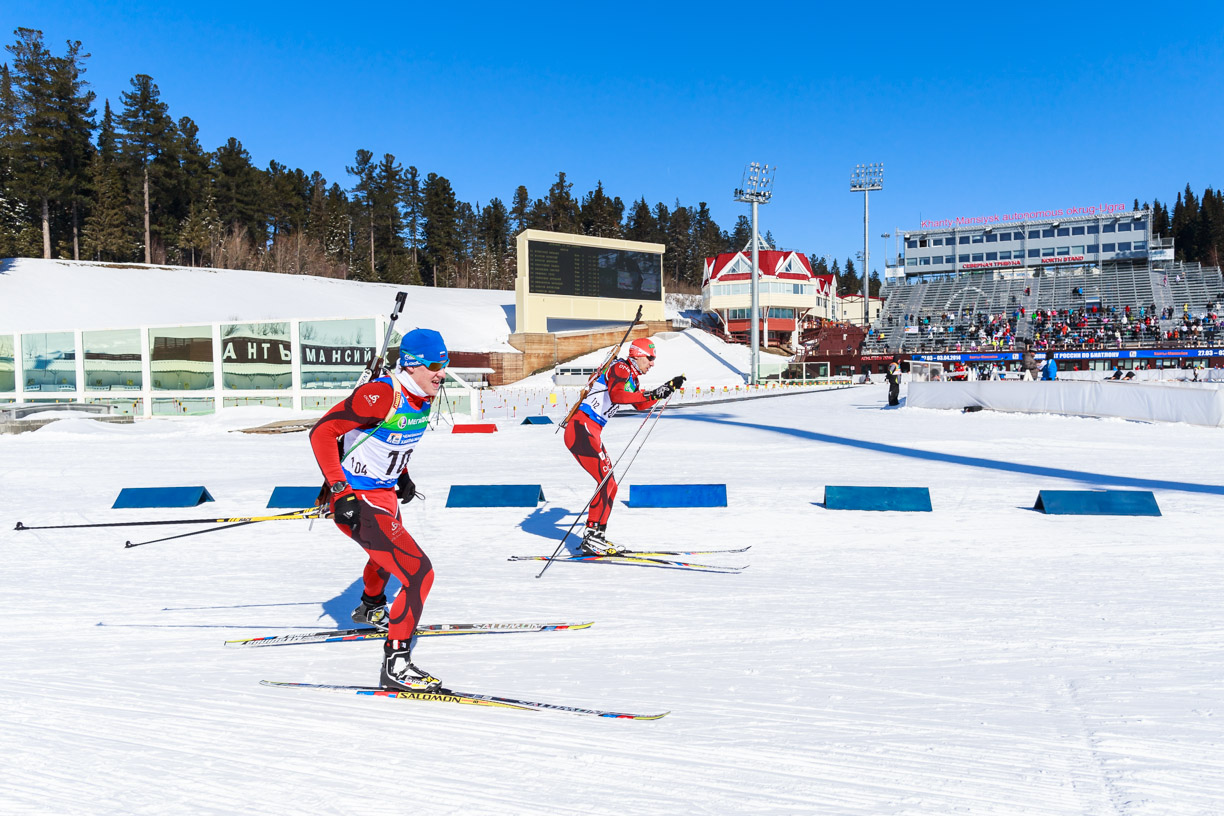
{"x": 594, "y": 272}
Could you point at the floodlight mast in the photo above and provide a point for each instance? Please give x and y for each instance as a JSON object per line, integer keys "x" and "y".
{"x": 864, "y": 178}
{"x": 756, "y": 188}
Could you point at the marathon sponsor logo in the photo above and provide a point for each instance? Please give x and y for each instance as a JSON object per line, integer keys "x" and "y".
{"x": 1063, "y": 259}
{"x": 990, "y": 264}
{"x": 1032, "y": 215}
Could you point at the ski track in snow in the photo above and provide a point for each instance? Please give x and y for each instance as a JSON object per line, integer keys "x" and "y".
{"x": 981, "y": 659}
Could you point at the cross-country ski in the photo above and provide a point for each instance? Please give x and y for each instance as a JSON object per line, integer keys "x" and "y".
{"x": 431, "y": 630}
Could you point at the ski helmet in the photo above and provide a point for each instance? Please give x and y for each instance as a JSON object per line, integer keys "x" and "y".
{"x": 423, "y": 347}
{"x": 643, "y": 347}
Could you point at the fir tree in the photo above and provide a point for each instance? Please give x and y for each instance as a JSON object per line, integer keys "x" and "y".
{"x": 238, "y": 192}
{"x": 441, "y": 232}
{"x": 363, "y": 198}
{"x": 599, "y": 215}
{"x": 145, "y": 134}
{"x": 520, "y": 210}
{"x": 413, "y": 202}
{"x": 563, "y": 213}
{"x": 641, "y": 224}
{"x": 75, "y": 105}
{"x": 34, "y": 147}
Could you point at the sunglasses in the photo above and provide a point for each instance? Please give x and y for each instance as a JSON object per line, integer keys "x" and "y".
{"x": 435, "y": 366}
{"x": 651, "y": 359}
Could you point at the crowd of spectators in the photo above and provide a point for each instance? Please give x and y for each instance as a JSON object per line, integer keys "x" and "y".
{"x": 1083, "y": 328}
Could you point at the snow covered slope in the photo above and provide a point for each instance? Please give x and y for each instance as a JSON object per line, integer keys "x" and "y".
{"x": 981, "y": 659}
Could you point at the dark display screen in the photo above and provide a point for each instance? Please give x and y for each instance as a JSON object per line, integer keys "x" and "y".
{"x": 582, "y": 271}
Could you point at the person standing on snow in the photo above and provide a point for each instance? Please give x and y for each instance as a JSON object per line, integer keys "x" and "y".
{"x": 894, "y": 383}
{"x": 615, "y": 386}
{"x": 362, "y": 446}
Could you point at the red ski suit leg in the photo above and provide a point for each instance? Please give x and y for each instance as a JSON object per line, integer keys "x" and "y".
{"x": 582, "y": 437}
{"x": 392, "y": 551}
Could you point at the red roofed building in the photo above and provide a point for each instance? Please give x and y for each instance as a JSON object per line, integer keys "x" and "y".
{"x": 788, "y": 291}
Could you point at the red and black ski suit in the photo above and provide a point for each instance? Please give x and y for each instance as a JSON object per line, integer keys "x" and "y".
{"x": 617, "y": 386}
{"x": 391, "y": 550}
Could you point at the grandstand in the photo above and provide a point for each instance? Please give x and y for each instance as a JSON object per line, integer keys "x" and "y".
{"x": 1002, "y": 310}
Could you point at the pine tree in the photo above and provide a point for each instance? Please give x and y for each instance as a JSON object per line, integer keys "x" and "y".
{"x": 742, "y": 233}
{"x": 35, "y": 148}
{"x": 563, "y": 214}
{"x": 520, "y": 210}
{"x": 75, "y": 104}
{"x": 441, "y": 232}
{"x": 106, "y": 236}
{"x": 388, "y": 191}
{"x": 494, "y": 236}
{"x": 145, "y": 134}
{"x": 680, "y": 256}
{"x": 1185, "y": 225}
{"x": 413, "y": 202}
{"x": 641, "y": 224}
{"x": 363, "y": 198}
{"x": 599, "y": 215}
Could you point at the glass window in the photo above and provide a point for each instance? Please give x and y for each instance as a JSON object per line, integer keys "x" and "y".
{"x": 1093, "y": 229}
{"x": 1109, "y": 228}
{"x": 48, "y": 361}
{"x": 1048, "y": 252}
{"x": 977, "y": 239}
{"x": 1077, "y": 250}
{"x": 1048, "y": 232}
{"x": 181, "y": 358}
{"x": 949, "y": 259}
{"x": 1107, "y": 247}
{"x": 1034, "y": 233}
{"x": 1063, "y": 250}
{"x": 1138, "y": 245}
{"x": 1124, "y": 226}
{"x": 334, "y": 352}
{"x": 992, "y": 256}
{"x": 964, "y": 239}
{"x": 908, "y": 245}
{"x": 256, "y": 356}
{"x": 1034, "y": 253}
{"x": 1005, "y": 255}
{"x": 1124, "y": 246}
{"x": 924, "y": 262}
{"x": 1092, "y": 248}
{"x": 911, "y": 261}
{"x": 991, "y": 238}
{"x": 8, "y": 364}
{"x": 112, "y": 360}
{"x": 1077, "y": 230}
{"x": 964, "y": 258}
{"x": 922, "y": 242}
{"x": 1140, "y": 226}
{"x": 936, "y": 242}
{"x": 977, "y": 256}
{"x": 1064, "y": 231}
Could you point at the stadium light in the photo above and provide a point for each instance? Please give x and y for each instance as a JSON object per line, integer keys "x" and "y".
{"x": 863, "y": 179}
{"x": 755, "y": 189}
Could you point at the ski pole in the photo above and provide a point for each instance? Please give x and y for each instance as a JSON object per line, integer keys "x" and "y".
{"x": 290, "y": 516}
{"x": 607, "y": 475}
{"x": 200, "y": 532}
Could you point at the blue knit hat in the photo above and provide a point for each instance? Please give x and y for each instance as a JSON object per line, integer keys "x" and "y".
{"x": 422, "y": 347}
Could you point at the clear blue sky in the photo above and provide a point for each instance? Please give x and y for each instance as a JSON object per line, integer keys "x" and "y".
{"x": 974, "y": 109}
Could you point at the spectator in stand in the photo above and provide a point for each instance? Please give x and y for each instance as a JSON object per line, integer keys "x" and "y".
{"x": 1050, "y": 370}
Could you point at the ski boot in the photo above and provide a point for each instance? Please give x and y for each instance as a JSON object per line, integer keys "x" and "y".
{"x": 595, "y": 542}
{"x": 398, "y": 671}
{"x": 372, "y": 611}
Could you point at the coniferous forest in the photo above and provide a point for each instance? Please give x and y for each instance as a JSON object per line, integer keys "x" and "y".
{"x": 132, "y": 183}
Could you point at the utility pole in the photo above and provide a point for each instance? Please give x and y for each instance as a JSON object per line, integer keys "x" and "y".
{"x": 756, "y": 188}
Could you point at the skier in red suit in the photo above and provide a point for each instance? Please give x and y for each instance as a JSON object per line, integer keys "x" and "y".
{"x": 616, "y": 385}
{"x": 362, "y": 446}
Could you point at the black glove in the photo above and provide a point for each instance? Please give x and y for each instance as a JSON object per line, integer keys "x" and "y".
{"x": 662, "y": 392}
{"x": 676, "y": 382}
{"x": 405, "y": 488}
{"x": 346, "y": 510}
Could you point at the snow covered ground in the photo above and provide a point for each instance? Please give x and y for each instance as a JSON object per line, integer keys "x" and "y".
{"x": 982, "y": 658}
